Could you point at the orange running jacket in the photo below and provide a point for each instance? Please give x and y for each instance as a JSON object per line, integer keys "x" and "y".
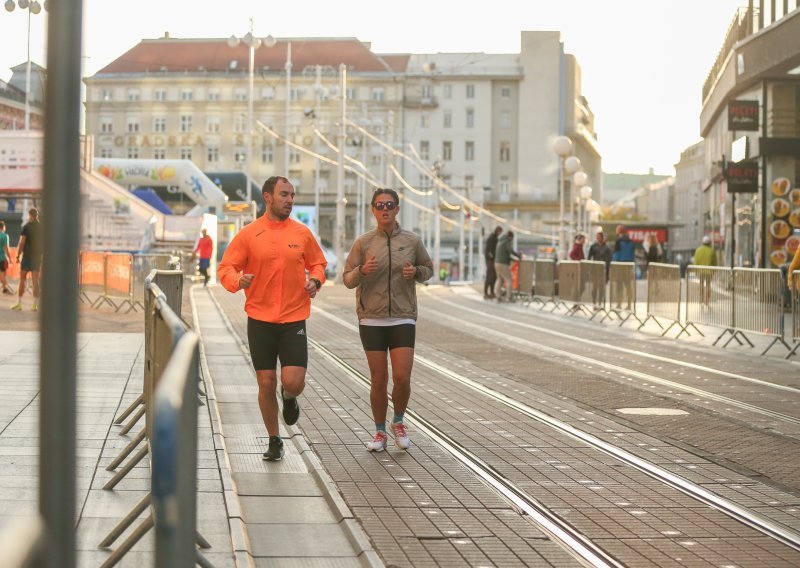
{"x": 277, "y": 253}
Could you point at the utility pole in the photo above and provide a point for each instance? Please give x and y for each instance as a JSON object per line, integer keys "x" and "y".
{"x": 340, "y": 210}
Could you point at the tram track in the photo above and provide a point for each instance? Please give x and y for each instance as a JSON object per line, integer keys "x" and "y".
{"x": 777, "y": 531}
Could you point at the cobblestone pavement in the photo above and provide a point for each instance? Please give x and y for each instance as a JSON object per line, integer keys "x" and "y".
{"x": 422, "y": 508}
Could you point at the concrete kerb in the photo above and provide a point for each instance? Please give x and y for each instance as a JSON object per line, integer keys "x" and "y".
{"x": 242, "y": 550}
{"x": 368, "y": 557}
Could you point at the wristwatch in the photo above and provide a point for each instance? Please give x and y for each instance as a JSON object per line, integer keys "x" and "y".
{"x": 316, "y": 282}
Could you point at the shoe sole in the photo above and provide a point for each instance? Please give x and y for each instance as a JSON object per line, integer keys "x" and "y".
{"x": 266, "y": 459}
{"x": 376, "y": 449}
{"x": 399, "y": 447}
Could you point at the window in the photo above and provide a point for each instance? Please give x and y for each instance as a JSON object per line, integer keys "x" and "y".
{"x": 296, "y": 93}
{"x": 133, "y": 124}
{"x": 470, "y": 118}
{"x": 470, "y": 91}
{"x": 240, "y": 94}
{"x": 505, "y": 151}
{"x": 448, "y": 91}
{"x": 133, "y": 153}
{"x": 424, "y": 149}
{"x": 187, "y": 94}
{"x": 469, "y": 151}
{"x": 133, "y": 95}
{"x": 186, "y": 123}
{"x": 267, "y": 154}
{"x": 212, "y": 124}
{"x": 352, "y": 93}
{"x": 424, "y": 181}
{"x": 159, "y": 153}
{"x": 267, "y": 93}
{"x": 213, "y": 154}
{"x": 447, "y": 150}
{"x": 106, "y": 152}
{"x": 505, "y": 188}
{"x": 427, "y": 92}
{"x": 378, "y": 94}
{"x": 239, "y": 155}
{"x": 105, "y": 95}
{"x": 505, "y": 92}
{"x": 159, "y": 124}
{"x": 106, "y": 125}
{"x": 213, "y": 94}
{"x": 505, "y": 119}
{"x": 424, "y": 119}
{"x": 240, "y": 123}
{"x": 159, "y": 94}
{"x": 448, "y": 119}
{"x": 186, "y": 153}
{"x": 469, "y": 181}
{"x": 294, "y": 156}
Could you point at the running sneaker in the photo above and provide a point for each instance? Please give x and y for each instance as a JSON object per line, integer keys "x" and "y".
{"x": 378, "y": 443}
{"x": 35, "y": 307}
{"x": 401, "y": 439}
{"x": 17, "y": 306}
{"x": 275, "y": 450}
{"x": 291, "y": 409}
{"x": 7, "y": 291}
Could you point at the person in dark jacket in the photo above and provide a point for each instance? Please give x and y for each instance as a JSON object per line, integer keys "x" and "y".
{"x": 502, "y": 264}
{"x": 623, "y": 252}
{"x": 601, "y": 252}
{"x": 488, "y": 255}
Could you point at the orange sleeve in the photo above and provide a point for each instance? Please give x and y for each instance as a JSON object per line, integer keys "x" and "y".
{"x": 315, "y": 259}
{"x": 233, "y": 262}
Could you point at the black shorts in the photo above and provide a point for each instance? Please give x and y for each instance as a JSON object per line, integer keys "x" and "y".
{"x": 3, "y": 265}
{"x": 272, "y": 341}
{"x": 30, "y": 263}
{"x": 383, "y": 337}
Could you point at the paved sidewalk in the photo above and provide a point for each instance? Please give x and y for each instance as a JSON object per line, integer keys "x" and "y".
{"x": 285, "y": 513}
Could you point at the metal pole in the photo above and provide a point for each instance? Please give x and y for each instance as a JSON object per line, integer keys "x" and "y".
{"x": 471, "y": 257}
{"x": 340, "y": 211}
{"x": 28, "y": 74}
{"x": 318, "y": 92}
{"x": 249, "y": 153}
{"x": 288, "y": 111}
{"x": 562, "y": 253}
{"x": 59, "y": 315}
{"x": 437, "y": 234}
{"x": 461, "y": 271}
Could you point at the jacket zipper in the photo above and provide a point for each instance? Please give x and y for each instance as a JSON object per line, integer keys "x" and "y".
{"x": 389, "y": 244}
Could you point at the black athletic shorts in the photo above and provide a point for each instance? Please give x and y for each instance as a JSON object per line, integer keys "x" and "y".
{"x": 272, "y": 341}
{"x": 383, "y": 337}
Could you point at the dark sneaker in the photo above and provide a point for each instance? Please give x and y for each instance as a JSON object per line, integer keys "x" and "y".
{"x": 275, "y": 450}
{"x": 291, "y": 409}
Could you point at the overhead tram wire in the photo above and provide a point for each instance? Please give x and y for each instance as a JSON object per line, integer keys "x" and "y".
{"x": 369, "y": 179}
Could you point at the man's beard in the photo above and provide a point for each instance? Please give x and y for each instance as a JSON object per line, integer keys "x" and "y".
{"x": 279, "y": 213}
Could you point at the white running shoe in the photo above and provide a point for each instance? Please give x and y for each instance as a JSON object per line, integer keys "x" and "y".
{"x": 401, "y": 439}
{"x": 378, "y": 443}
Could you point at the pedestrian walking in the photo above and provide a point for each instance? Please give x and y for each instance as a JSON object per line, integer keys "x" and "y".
{"x": 384, "y": 266}
{"x": 488, "y": 256}
{"x": 5, "y": 258}
{"x": 205, "y": 246}
{"x": 705, "y": 255}
{"x": 502, "y": 265}
{"x": 795, "y": 265}
{"x": 654, "y": 252}
{"x": 577, "y": 248}
{"x": 268, "y": 259}
{"x": 600, "y": 251}
{"x": 624, "y": 251}
{"x": 29, "y": 256}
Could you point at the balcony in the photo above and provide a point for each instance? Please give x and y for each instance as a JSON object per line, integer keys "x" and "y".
{"x": 419, "y": 101}
{"x": 740, "y": 28}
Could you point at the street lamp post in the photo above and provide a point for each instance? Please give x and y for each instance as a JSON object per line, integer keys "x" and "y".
{"x": 339, "y": 233}
{"x": 33, "y": 7}
{"x": 586, "y": 196}
{"x": 252, "y": 42}
{"x": 569, "y": 164}
{"x": 579, "y": 180}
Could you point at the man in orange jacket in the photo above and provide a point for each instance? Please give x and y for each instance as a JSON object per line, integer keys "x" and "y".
{"x": 268, "y": 259}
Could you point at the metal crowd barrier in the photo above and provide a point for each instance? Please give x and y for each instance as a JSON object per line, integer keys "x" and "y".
{"x": 525, "y": 280}
{"x": 143, "y": 265}
{"x": 544, "y": 288}
{"x": 795, "y": 292}
{"x": 593, "y": 286}
{"x": 758, "y": 303}
{"x": 664, "y": 297}
{"x": 171, "y": 431}
{"x": 709, "y": 299}
{"x": 622, "y": 281}
{"x": 569, "y": 285}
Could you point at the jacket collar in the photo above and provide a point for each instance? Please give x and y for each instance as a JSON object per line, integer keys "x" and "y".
{"x": 274, "y": 224}
{"x": 395, "y": 231}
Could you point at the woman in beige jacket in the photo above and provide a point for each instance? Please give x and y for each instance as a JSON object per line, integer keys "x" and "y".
{"x": 384, "y": 266}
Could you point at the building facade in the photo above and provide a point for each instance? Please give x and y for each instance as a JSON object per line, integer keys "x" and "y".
{"x": 687, "y": 201}
{"x": 483, "y": 123}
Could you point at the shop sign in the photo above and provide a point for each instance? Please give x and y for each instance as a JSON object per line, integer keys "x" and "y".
{"x": 742, "y": 115}
{"x": 742, "y": 177}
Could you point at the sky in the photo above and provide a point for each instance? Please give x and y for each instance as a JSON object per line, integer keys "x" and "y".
{"x": 643, "y": 61}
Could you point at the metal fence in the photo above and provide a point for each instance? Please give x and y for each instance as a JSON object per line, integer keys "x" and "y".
{"x": 709, "y": 299}
{"x": 622, "y": 284}
{"x": 795, "y": 292}
{"x": 143, "y": 265}
{"x": 116, "y": 279}
{"x": 544, "y": 288}
{"x": 569, "y": 284}
{"x": 664, "y": 296}
{"x": 593, "y": 285}
{"x": 170, "y": 405}
{"x": 758, "y": 303}
{"x": 525, "y": 280}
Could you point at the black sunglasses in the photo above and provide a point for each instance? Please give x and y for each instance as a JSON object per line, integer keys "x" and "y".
{"x": 388, "y": 205}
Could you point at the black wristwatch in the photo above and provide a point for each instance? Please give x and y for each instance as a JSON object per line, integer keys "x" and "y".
{"x": 316, "y": 282}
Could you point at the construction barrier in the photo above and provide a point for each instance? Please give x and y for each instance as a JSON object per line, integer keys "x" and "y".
{"x": 524, "y": 289}
{"x": 664, "y": 296}
{"x": 544, "y": 288}
{"x": 709, "y": 298}
{"x": 758, "y": 303}
{"x": 144, "y": 264}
